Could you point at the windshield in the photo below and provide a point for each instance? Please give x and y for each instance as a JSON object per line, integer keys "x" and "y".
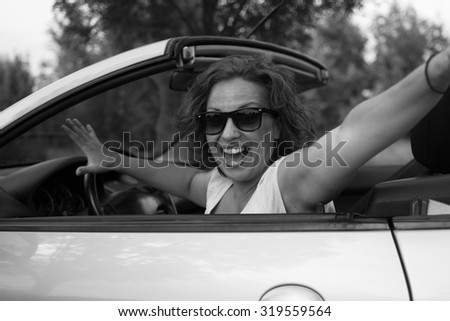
{"x": 137, "y": 117}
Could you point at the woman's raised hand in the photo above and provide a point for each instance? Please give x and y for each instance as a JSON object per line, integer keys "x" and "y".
{"x": 90, "y": 145}
{"x": 437, "y": 71}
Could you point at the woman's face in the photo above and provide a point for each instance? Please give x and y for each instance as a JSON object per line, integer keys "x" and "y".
{"x": 242, "y": 155}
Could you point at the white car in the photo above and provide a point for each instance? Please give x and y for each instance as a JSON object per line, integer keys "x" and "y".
{"x": 111, "y": 237}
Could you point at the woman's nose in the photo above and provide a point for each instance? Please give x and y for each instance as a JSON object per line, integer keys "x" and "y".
{"x": 230, "y": 131}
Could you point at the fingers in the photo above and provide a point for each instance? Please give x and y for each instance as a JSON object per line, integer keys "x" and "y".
{"x": 86, "y": 170}
{"x": 78, "y": 132}
{"x": 70, "y": 132}
{"x": 80, "y": 171}
{"x": 91, "y": 131}
{"x": 78, "y": 128}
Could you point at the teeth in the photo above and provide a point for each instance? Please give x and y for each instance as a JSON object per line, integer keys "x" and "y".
{"x": 234, "y": 150}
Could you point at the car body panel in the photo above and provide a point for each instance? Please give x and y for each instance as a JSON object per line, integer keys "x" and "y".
{"x": 426, "y": 255}
{"x": 198, "y": 266}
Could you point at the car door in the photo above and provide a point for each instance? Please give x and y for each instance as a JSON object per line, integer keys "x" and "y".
{"x": 424, "y": 244}
{"x": 198, "y": 257}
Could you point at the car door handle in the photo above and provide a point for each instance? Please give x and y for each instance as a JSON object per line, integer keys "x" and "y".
{"x": 291, "y": 292}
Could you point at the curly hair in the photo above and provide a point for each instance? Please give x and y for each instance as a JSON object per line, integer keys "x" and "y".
{"x": 297, "y": 124}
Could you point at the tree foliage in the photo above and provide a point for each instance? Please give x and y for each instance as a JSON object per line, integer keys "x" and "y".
{"x": 16, "y": 81}
{"x": 340, "y": 44}
{"x": 403, "y": 40}
{"x": 88, "y": 30}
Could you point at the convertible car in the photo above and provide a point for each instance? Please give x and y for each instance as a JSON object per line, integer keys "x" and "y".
{"x": 111, "y": 237}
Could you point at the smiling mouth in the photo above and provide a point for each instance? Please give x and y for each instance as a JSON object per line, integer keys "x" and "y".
{"x": 233, "y": 156}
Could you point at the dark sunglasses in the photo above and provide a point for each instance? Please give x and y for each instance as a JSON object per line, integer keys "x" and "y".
{"x": 246, "y": 119}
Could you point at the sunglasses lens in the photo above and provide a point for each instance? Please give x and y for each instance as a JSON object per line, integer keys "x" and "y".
{"x": 214, "y": 123}
{"x": 247, "y": 120}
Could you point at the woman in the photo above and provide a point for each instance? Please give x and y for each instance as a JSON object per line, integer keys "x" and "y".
{"x": 256, "y": 136}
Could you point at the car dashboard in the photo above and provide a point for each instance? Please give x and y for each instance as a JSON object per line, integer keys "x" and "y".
{"x": 51, "y": 188}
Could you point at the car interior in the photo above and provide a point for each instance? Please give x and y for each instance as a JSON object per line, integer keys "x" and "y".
{"x": 416, "y": 187}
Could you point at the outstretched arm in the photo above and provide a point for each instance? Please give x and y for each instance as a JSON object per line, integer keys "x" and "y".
{"x": 368, "y": 128}
{"x": 186, "y": 182}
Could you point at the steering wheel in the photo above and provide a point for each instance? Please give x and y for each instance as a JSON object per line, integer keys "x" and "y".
{"x": 161, "y": 202}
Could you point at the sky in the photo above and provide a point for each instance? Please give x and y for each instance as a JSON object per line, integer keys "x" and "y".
{"x": 24, "y": 28}
{"x": 24, "y": 24}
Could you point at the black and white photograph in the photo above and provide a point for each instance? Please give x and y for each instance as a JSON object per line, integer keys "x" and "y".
{"x": 225, "y": 150}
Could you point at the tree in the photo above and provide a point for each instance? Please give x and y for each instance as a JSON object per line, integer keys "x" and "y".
{"x": 89, "y": 30}
{"x": 403, "y": 41}
{"x": 16, "y": 81}
{"x": 339, "y": 43}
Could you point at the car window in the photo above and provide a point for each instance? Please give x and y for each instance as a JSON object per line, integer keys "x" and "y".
{"x": 138, "y": 115}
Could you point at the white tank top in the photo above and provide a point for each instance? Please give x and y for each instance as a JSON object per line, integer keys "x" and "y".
{"x": 266, "y": 198}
